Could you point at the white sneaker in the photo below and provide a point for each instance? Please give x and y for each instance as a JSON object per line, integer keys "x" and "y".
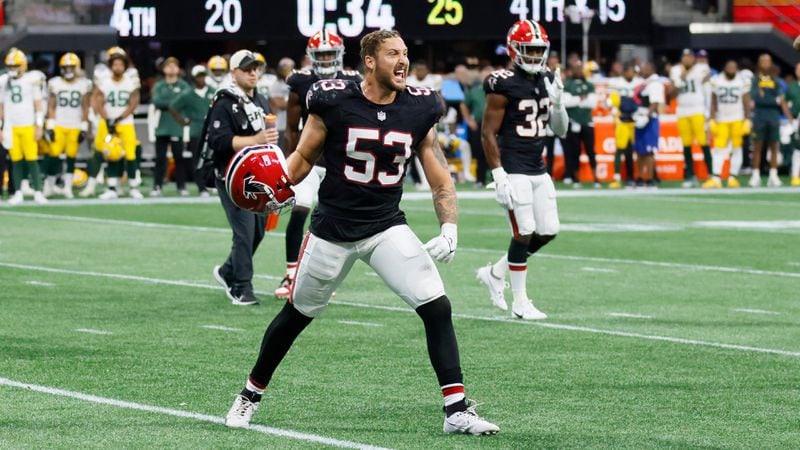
{"x": 204, "y": 194}
{"x": 109, "y": 195}
{"x": 16, "y": 199}
{"x": 183, "y": 193}
{"x": 49, "y": 186}
{"x": 526, "y": 311}
{"x": 155, "y": 193}
{"x": 39, "y": 198}
{"x": 68, "y": 191}
{"x": 469, "y": 422}
{"x": 134, "y": 193}
{"x": 495, "y": 285}
{"x": 89, "y": 190}
{"x": 240, "y": 413}
{"x": 26, "y": 189}
{"x": 690, "y": 183}
{"x": 755, "y": 180}
{"x": 774, "y": 182}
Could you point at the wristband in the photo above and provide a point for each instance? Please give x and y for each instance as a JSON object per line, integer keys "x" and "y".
{"x": 50, "y": 124}
{"x": 84, "y": 126}
{"x": 499, "y": 174}
{"x": 39, "y": 119}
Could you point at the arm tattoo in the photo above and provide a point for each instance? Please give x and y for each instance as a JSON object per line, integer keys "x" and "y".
{"x": 444, "y": 197}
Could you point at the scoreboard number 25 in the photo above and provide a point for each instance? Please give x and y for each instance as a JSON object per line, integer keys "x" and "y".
{"x": 445, "y": 12}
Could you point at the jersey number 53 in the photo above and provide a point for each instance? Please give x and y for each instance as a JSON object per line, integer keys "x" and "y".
{"x": 536, "y": 119}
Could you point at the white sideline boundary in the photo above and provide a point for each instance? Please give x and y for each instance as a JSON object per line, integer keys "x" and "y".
{"x": 555, "y": 326}
{"x": 291, "y": 434}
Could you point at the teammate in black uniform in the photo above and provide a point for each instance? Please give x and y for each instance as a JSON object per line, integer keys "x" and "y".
{"x": 519, "y": 105}
{"x": 325, "y": 49}
{"x": 367, "y": 132}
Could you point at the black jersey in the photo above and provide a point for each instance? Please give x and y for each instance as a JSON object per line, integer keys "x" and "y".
{"x": 301, "y": 80}
{"x": 521, "y": 136}
{"x": 366, "y": 152}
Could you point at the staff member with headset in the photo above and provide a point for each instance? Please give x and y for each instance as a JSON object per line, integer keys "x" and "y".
{"x": 235, "y": 121}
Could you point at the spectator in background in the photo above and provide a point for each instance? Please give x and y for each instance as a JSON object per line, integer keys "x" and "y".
{"x": 236, "y": 121}
{"x": 190, "y": 109}
{"x": 279, "y": 97}
{"x": 553, "y": 63}
{"x": 580, "y": 100}
{"x": 616, "y": 69}
{"x": 769, "y": 103}
{"x": 747, "y": 75}
{"x": 651, "y": 102}
{"x": 793, "y": 98}
{"x": 169, "y": 133}
{"x": 472, "y": 110}
{"x": 421, "y": 76}
{"x": 622, "y": 90}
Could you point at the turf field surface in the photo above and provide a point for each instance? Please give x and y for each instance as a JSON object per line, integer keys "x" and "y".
{"x": 673, "y": 323}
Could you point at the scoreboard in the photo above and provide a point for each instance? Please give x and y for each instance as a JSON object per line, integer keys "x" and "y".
{"x": 415, "y": 19}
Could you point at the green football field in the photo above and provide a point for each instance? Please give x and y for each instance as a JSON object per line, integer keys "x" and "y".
{"x": 674, "y": 322}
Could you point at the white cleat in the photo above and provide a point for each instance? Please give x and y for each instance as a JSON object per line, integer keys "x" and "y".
{"x": 89, "y": 190}
{"x": 39, "y": 198}
{"x": 16, "y": 199}
{"x": 495, "y": 285}
{"x": 26, "y": 189}
{"x": 526, "y": 311}
{"x": 774, "y": 182}
{"x": 68, "y": 192}
{"x": 469, "y": 422}
{"x": 240, "y": 413}
{"x": 755, "y": 180}
{"x": 109, "y": 195}
{"x": 134, "y": 193}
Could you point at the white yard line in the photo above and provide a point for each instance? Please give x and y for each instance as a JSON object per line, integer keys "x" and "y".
{"x": 363, "y": 324}
{"x": 598, "y": 269}
{"x": 39, "y": 283}
{"x": 408, "y": 310}
{"x": 268, "y": 277}
{"x": 92, "y": 331}
{"x": 631, "y": 316}
{"x": 291, "y": 434}
{"x": 793, "y": 263}
{"x": 221, "y": 328}
{"x": 757, "y": 311}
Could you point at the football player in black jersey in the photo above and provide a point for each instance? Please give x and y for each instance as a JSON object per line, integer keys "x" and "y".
{"x": 367, "y": 132}
{"x": 326, "y": 51}
{"x": 520, "y": 103}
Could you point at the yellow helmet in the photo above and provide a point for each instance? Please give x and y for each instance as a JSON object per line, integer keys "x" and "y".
{"x": 217, "y": 62}
{"x": 69, "y": 60}
{"x": 260, "y": 58}
{"x": 16, "y": 58}
{"x": 112, "y": 148}
{"x": 116, "y": 51}
{"x": 79, "y": 178}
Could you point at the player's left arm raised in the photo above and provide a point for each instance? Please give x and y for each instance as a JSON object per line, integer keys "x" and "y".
{"x": 437, "y": 171}
{"x": 558, "y": 113}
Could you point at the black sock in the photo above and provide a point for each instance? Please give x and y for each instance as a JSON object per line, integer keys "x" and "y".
{"x": 538, "y": 241}
{"x": 441, "y": 338}
{"x": 294, "y": 233}
{"x": 708, "y": 161}
{"x": 688, "y": 171}
{"x": 250, "y": 395}
{"x": 278, "y": 338}
{"x": 458, "y": 406}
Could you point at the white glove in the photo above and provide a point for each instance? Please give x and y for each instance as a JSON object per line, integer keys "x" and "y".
{"x": 640, "y": 120}
{"x": 504, "y": 193}
{"x": 555, "y": 89}
{"x": 442, "y": 248}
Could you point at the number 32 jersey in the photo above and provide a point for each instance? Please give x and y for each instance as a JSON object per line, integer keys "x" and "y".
{"x": 524, "y": 127}
{"x": 69, "y": 97}
{"x": 366, "y": 153}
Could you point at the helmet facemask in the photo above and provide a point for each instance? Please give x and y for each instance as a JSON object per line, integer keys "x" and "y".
{"x": 531, "y": 57}
{"x": 326, "y": 62}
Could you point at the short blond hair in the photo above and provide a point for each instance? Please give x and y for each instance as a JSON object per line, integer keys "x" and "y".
{"x": 373, "y": 40}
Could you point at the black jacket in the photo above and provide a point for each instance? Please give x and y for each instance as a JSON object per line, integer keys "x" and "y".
{"x": 227, "y": 118}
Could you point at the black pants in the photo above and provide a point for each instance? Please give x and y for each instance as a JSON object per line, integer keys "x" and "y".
{"x": 195, "y": 148}
{"x": 248, "y": 231}
{"x": 3, "y": 156}
{"x": 572, "y": 151}
{"x": 477, "y": 153}
{"x": 160, "y": 171}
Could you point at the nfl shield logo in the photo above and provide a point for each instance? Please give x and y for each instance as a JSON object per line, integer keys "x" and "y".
{"x": 381, "y": 116}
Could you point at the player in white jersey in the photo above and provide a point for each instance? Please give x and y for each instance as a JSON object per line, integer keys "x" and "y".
{"x": 67, "y": 120}
{"x": 688, "y": 79}
{"x": 622, "y": 90}
{"x": 730, "y": 112}
{"x": 21, "y": 119}
{"x": 218, "y": 73}
{"x": 114, "y": 100}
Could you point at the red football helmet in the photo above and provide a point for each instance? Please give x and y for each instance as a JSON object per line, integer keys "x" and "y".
{"x": 528, "y": 46}
{"x": 326, "y": 51}
{"x": 256, "y": 179}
